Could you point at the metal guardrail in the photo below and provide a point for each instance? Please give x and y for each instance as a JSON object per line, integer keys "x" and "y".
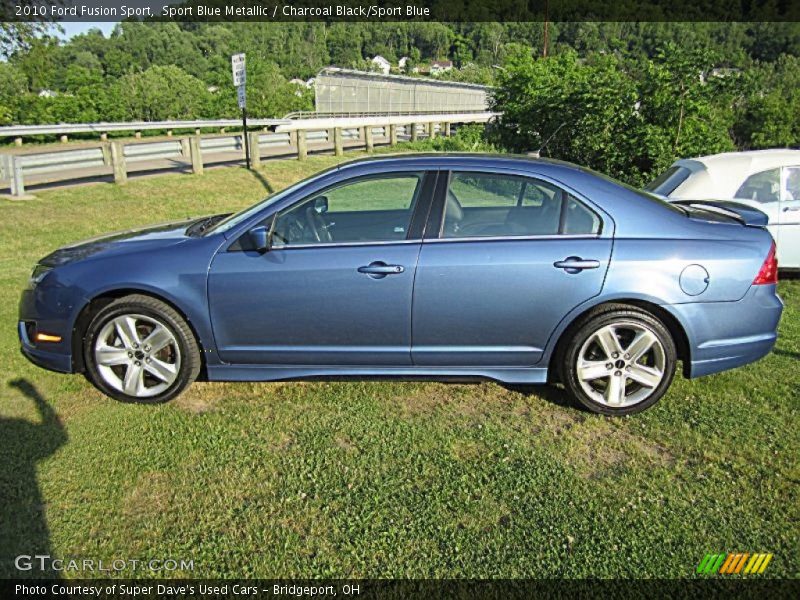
{"x": 307, "y": 114}
{"x": 97, "y": 159}
{"x": 100, "y": 128}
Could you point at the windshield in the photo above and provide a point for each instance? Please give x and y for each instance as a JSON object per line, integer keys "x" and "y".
{"x": 236, "y": 218}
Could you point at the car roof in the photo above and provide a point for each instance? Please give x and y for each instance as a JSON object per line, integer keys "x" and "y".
{"x": 740, "y": 163}
{"x": 461, "y": 158}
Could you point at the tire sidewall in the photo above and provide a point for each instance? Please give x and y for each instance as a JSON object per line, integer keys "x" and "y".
{"x": 587, "y": 329}
{"x": 118, "y": 309}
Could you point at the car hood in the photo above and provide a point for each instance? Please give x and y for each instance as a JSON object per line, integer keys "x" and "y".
{"x": 165, "y": 234}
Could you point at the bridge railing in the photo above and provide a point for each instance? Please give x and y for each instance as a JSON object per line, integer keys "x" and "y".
{"x": 21, "y": 167}
{"x": 19, "y": 132}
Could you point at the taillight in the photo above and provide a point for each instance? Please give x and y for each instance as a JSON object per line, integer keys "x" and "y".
{"x": 769, "y": 270}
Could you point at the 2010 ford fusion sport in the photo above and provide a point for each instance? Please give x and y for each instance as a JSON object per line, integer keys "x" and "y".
{"x": 448, "y": 267}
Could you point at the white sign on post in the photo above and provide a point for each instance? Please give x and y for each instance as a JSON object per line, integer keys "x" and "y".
{"x": 240, "y": 96}
{"x": 237, "y": 67}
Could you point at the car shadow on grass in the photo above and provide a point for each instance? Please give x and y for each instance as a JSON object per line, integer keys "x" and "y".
{"x": 549, "y": 393}
{"x": 23, "y": 523}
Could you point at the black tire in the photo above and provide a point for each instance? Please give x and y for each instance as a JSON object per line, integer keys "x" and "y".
{"x": 182, "y": 350}
{"x": 627, "y": 320}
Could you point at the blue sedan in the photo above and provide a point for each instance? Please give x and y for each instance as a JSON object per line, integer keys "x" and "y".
{"x": 444, "y": 267}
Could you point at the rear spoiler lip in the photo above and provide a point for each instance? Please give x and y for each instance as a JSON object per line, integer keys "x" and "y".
{"x": 746, "y": 215}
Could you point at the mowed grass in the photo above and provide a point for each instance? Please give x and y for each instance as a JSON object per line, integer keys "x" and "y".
{"x": 384, "y": 479}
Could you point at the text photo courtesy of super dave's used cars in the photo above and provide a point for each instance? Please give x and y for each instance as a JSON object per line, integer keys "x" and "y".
{"x": 441, "y": 267}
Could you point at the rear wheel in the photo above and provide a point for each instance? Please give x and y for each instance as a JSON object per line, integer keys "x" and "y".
{"x": 621, "y": 360}
{"x": 139, "y": 349}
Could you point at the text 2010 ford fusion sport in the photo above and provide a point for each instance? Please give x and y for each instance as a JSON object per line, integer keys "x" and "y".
{"x": 419, "y": 266}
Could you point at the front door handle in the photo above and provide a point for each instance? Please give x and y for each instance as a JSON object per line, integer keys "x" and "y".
{"x": 575, "y": 264}
{"x": 379, "y": 269}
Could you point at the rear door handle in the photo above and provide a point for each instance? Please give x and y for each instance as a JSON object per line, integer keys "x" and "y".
{"x": 575, "y": 264}
{"x": 379, "y": 269}
{"x": 791, "y": 208}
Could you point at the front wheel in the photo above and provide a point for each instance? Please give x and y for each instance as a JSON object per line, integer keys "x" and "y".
{"x": 621, "y": 360}
{"x": 139, "y": 349}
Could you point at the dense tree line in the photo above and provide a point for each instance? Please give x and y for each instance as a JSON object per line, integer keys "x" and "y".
{"x": 625, "y": 98}
{"x": 181, "y": 70}
{"x": 631, "y": 117}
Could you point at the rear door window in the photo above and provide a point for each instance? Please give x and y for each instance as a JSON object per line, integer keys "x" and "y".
{"x": 499, "y": 205}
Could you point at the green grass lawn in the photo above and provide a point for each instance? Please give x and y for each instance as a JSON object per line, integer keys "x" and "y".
{"x": 378, "y": 479}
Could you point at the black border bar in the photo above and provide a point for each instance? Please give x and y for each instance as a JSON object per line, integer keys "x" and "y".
{"x": 408, "y": 10}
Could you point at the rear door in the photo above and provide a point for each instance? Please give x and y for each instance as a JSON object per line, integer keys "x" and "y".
{"x": 504, "y": 258}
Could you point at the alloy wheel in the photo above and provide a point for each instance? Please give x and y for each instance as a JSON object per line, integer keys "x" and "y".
{"x": 621, "y": 364}
{"x": 137, "y": 355}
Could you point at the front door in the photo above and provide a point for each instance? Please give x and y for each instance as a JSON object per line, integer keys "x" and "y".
{"x": 335, "y": 288}
{"x": 513, "y": 256}
{"x": 788, "y": 239}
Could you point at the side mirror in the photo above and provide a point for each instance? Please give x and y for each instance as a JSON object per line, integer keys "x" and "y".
{"x": 260, "y": 238}
{"x": 321, "y": 205}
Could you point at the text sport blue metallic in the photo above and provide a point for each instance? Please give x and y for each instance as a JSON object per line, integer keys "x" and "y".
{"x": 418, "y": 266}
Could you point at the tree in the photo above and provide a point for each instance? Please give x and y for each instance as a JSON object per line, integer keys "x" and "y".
{"x": 161, "y": 93}
{"x": 768, "y": 113}
{"x": 627, "y": 118}
{"x": 13, "y": 89}
{"x": 18, "y": 37}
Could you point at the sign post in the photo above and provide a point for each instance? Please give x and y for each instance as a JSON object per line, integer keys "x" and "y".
{"x": 239, "y": 81}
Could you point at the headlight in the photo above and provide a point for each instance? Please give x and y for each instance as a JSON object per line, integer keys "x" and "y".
{"x": 39, "y": 272}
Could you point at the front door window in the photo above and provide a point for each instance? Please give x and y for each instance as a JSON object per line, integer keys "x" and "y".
{"x": 372, "y": 209}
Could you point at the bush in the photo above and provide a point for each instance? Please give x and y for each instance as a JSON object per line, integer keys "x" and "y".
{"x": 629, "y": 119}
{"x": 467, "y": 138}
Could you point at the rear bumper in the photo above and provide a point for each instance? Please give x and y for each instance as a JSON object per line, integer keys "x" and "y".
{"x": 725, "y": 335}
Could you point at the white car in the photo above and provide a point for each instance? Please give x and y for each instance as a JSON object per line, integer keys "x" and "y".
{"x": 768, "y": 180}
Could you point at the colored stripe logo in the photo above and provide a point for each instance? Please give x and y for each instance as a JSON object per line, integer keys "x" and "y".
{"x": 734, "y": 563}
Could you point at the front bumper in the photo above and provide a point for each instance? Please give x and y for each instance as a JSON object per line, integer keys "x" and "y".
{"x": 54, "y": 361}
{"x": 725, "y": 335}
{"x": 50, "y": 309}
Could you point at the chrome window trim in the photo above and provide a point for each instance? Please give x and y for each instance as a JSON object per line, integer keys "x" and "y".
{"x": 514, "y": 238}
{"x": 344, "y": 244}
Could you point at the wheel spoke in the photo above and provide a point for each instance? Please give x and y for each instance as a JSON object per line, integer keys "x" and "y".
{"x": 133, "y": 384}
{"x": 158, "y": 339}
{"x": 166, "y": 372}
{"x": 643, "y": 341}
{"x": 646, "y": 376}
{"x": 126, "y": 330}
{"x": 592, "y": 369}
{"x": 109, "y": 356}
{"x": 607, "y": 338}
{"x": 615, "y": 392}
